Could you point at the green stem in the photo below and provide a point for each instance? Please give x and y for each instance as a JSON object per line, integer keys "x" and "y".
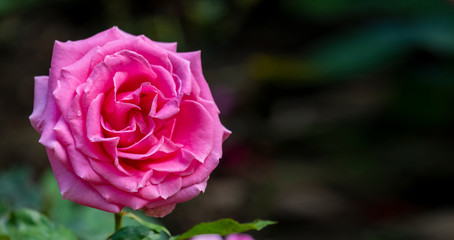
{"x": 118, "y": 220}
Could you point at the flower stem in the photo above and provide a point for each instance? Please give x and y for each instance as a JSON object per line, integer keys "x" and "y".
{"x": 118, "y": 220}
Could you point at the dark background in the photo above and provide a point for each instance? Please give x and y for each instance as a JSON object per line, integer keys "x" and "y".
{"x": 341, "y": 110}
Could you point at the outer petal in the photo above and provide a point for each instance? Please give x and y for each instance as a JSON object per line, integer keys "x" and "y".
{"x": 118, "y": 178}
{"x": 194, "y": 129}
{"x": 66, "y": 53}
{"x": 169, "y": 46}
{"x": 170, "y": 186}
{"x": 182, "y": 71}
{"x": 79, "y": 162}
{"x": 39, "y": 103}
{"x": 160, "y": 211}
{"x": 196, "y": 69}
{"x": 202, "y": 171}
{"x": 77, "y": 190}
{"x": 220, "y": 132}
{"x": 115, "y": 196}
{"x": 140, "y": 45}
{"x": 76, "y": 121}
{"x": 150, "y": 192}
{"x": 70, "y": 78}
{"x": 183, "y": 195}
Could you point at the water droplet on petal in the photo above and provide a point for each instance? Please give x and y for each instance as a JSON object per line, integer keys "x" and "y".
{"x": 79, "y": 113}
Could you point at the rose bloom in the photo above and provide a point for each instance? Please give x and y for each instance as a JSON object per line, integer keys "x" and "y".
{"x": 127, "y": 122}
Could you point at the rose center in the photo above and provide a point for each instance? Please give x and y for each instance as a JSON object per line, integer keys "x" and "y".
{"x": 129, "y": 108}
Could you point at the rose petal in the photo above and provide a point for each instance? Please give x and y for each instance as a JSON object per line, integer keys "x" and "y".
{"x": 201, "y": 171}
{"x": 168, "y": 110}
{"x": 220, "y": 132}
{"x": 70, "y": 78}
{"x": 39, "y": 104}
{"x": 188, "y": 170}
{"x": 82, "y": 167}
{"x": 52, "y": 114}
{"x": 158, "y": 177}
{"x": 169, "y": 186}
{"x": 140, "y": 45}
{"x": 194, "y": 129}
{"x": 182, "y": 70}
{"x": 117, "y": 113}
{"x": 118, "y": 178}
{"x": 118, "y": 197}
{"x": 169, "y": 46}
{"x": 94, "y": 132}
{"x": 166, "y": 128}
{"x": 76, "y": 122}
{"x": 130, "y": 134}
{"x": 66, "y": 53}
{"x": 149, "y": 192}
{"x": 77, "y": 190}
{"x": 77, "y": 160}
{"x": 183, "y": 195}
{"x": 164, "y": 81}
{"x": 160, "y": 148}
{"x": 160, "y": 211}
{"x": 196, "y": 69}
{"x": 174, "y": 163}
{"x": 100, "y": 80}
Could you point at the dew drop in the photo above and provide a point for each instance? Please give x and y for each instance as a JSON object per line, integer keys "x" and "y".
{"x": 79, "y": 113}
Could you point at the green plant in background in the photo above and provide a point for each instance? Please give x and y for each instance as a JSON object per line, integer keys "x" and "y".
{"x": 31, "y": 225}
{"x": 77, "y": 222}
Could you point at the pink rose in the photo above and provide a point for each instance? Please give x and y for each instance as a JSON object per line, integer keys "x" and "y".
{"x": 127, "y": 122}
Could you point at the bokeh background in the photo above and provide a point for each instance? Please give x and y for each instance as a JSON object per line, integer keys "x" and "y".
{"x": 341, "y": 110}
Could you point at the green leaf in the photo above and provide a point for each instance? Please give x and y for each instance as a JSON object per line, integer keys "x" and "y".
{"x": 138, "y": 233}
{"x": 223, "y": 227}
{"x": 32, "y": 225}
{"x": 155, "y": 227}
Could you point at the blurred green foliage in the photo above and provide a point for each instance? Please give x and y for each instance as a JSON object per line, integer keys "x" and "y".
{"x": 330, "y": 9}
{"x": 86, "y": 223}
{"x": 17, "y": 223}
{"x": 31, "y": 225}
{"x": 7, "y": 6}
{"x": 18, "y": 188}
